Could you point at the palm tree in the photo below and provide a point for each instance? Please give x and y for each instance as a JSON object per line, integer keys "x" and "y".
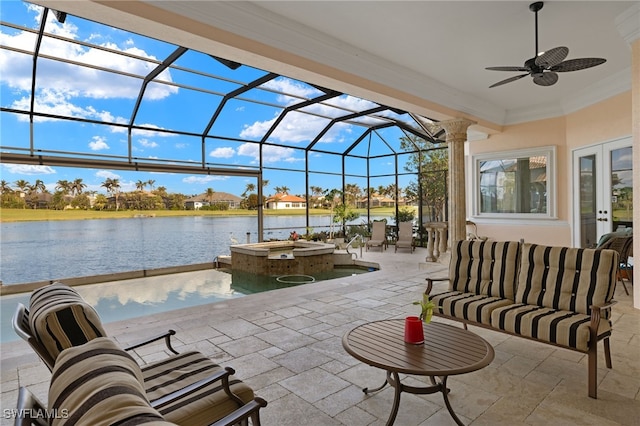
{"x": 22, "y": 185}
{"x": 278, "y": 189}
{"x": 63, "y": 186}
{"x": 251, "y": 187}
{"x": 316, "y": 191}
{"x": 100, "y": 202}
{"x": 392, "y": 191}
{"x": 140, "y": 185}
{"x": 113, "y": 186}
{"x": 4, "y": 187}
{"x": 352, "y": 192}
{"x": 77, "y": 186}
{"x": 284, "y": 189}
{"x": 210, "y": 193}
{"x": 151, "y": 182}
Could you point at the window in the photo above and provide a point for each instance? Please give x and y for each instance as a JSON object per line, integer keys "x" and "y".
{"x": 515, "y": 184}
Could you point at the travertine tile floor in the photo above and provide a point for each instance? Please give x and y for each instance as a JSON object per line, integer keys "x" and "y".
{"x": 287, "y": 345}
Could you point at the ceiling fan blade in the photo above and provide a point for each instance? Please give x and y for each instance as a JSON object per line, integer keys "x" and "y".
{"x": 508, "y": 80}
{"x": 545, "y": 79}
{"x": 552, "y": 57}
{"x": 577, "y": 64}
{"x": 508, "y": 69}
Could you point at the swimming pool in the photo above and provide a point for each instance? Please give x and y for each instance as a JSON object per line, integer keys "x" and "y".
{"x": 120, "y": 300}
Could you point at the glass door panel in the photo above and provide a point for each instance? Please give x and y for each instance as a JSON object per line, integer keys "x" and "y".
{"x": 621, "y": 188}
{"x": 587, "y": 200}
{"x": 603, "y": 197}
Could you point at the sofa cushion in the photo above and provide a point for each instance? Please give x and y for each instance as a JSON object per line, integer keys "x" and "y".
{"x": 562, "y": 278}
{"x": 472, "y": 307}
{"x": 196, "y": 408}
{"x": 485, "y": 267}
{"x": 97, "y": 384}
{"x": 60, "y": 318}
{"x": 565, "y": 328}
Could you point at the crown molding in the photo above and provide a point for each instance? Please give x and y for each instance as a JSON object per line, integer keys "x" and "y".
{"x": 614, "y": 84}
{"x": 628, "y": 24}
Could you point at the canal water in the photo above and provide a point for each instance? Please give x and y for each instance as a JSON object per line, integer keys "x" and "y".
{"x": 54, "y": 250}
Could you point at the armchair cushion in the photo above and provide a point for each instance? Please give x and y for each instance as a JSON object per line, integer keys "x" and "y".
{"x": 60, "y": 318}
{"x": 98, "y": 384}
{"x": 198, "y": 407}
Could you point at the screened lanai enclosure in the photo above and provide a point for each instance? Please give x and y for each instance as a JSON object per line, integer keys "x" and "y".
{"x": 79, "y": 95}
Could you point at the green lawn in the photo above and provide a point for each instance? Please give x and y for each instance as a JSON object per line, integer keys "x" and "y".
{"x": 21, "y": 215}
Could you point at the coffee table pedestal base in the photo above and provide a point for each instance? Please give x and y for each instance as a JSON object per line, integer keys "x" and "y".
{"x": 393, "y": 379}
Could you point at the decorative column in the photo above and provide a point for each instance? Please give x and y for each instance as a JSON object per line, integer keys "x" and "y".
{"x": 456, "y": 131}
{"x": 628, "y": 24}
{"x": 430, "y": 243}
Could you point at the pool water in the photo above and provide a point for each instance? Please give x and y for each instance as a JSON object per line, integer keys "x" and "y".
{"x": 120, "y": 300}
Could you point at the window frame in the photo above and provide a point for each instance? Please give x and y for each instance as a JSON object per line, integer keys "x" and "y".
{"x": 551, "y": 172}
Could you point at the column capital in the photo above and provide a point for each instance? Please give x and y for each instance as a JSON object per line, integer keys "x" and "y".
{"x": 456, "y": 128}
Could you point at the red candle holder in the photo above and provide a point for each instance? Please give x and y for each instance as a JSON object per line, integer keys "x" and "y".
{"x": 413, "y": 332}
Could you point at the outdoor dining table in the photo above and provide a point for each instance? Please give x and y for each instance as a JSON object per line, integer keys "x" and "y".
{"x": 446, "y": 351}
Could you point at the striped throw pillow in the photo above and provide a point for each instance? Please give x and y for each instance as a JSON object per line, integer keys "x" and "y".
{"x": 60, "y": 318}
{"x": 99, "y": 384}
{"x": 563, "y": 278}
{"x": 485, "y": 267}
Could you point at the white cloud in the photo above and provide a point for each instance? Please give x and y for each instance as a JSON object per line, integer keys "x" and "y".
{"x": 296, "y": 127}
{"x": 62, "y": 86}
{"x": 27, "y": 169}
{"x": 151, "y": 133}
{"x": 203, "y": 179}
{"x": 270, "y": 153}
{"x": 147, "y": 143}
{"x": 299, "y": 127}
{"x": 98, "y": 143}
{"x": 286, "y": 85}
{"x": 222, "y": 152}
{"x": 104, "y": 174}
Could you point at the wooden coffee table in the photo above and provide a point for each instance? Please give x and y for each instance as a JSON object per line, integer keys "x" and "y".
{"x": 447, "y": 351}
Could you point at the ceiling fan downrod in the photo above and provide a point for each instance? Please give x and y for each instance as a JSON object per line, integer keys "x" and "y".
{"x": 535, "y": 7}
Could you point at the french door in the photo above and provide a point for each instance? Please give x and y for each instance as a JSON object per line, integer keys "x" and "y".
{"x": 603, "y": 190}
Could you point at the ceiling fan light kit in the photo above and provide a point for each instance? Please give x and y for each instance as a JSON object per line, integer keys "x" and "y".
{"x": 544, "y": 66}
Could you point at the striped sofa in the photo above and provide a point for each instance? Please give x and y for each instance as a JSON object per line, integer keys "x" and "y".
{"x": 185, "y": 388}
{"x": 557, "y": 295}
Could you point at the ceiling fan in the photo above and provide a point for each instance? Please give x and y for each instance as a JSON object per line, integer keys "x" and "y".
{"x": 544, "y": 66}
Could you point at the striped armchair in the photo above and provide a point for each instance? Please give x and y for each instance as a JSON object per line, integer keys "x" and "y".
{"x": 557, "y": 295}
{"x": 185, "y": 388}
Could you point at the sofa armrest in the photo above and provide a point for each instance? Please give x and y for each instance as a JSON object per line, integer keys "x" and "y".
{"x": 430, "y": 282}
{"x": 167, "y": 340}
{"x": 596, "y": 314}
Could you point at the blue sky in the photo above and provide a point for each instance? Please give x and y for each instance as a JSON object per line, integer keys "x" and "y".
{"x": 87, "y": 92}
